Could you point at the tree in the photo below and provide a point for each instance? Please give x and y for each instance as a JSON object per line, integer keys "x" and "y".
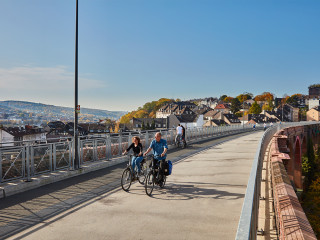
{"x": 266, "y": 96}
{"x": 228, "y": 99}
{"x": 117, "y": 127}
{"x": 255, "y": 108}
{"x": 223, "y": 97}
{"x": 235, "y": 105}
{"x": 267, "y": 106}
{"x": 143, "y": 127}
{"x": 293, "y": 100}
{"x": 153, "y": 125}
{"x": 309, "y": 164}
{"x": 244, "y": 97}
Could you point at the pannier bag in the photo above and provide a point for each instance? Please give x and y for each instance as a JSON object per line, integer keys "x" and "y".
{"x": 170, "y": 167}
{"x": 167, "y": 168}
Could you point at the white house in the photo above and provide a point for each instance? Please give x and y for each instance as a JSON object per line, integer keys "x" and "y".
{"x": 7, "y": 138}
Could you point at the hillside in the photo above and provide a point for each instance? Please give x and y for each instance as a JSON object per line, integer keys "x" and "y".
{"x": 39, "y": 108}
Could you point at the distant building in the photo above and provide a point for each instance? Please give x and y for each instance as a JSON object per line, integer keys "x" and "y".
{"x": 177, "y": 108}
{"x": 188, "y": 121}
{"x": 314, "y": 114}
{"x": 313, "y": 103}
{"x": 222, "y": 107}
{"x": 18, "y": 134}
{"x": 94, "y": 128}
{"x": 228, "y": 118}
{"x": 159, "y": 123}
{"x": 288, "y": 113}
{"x": 314, "y": 90}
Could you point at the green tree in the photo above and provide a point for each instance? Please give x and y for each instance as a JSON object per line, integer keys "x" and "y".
{"x": 143, "y": 126}
{"x": 223, "y": 97}
{"x": 293, "y": 100}
{"x": 235, "y": 105}
{"x": 255, "y": 108}
{"x": 148, "y": 126}
{"x": 153, "y": 125}
{"x": 309, "y": 164}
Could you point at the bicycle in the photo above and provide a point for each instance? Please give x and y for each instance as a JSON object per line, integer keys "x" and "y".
{"x": 180, "y": 142}
{"x": 129, "y": 176}
{"x": 154, "y": 177}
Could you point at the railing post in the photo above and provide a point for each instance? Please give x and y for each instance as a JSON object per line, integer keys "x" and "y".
{"x": 32, "y": 160}
{"x": 108, "y": 147}
{"x": 147, "y": 139}
{"x": 28, "y": 163}
{"x": 95, "y": 150}
{"x": 120, "y": 143}
{"x": 54, "y": 155}
{"x": 129, "y": 139}
{"x": 1, "y": 167}
{"x": 72, "y": 153}
{"x": 50, "y": 157}
{"x": 79, "y": 149}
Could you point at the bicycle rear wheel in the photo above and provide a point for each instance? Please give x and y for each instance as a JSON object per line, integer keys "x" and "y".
{"x": 126, "y": 179}
{"x": 149, "y": 183}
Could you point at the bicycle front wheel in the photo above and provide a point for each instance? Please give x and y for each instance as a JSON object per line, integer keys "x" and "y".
{"x": 142, "y": 177}
{"x": 126, "y": 179}
{"x": 149, "y": 183}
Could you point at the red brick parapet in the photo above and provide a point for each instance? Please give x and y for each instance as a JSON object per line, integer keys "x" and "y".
{"x": 292, "y": 222}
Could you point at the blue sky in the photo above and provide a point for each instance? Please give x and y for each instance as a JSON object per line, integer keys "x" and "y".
{"x": 137, "y": 51}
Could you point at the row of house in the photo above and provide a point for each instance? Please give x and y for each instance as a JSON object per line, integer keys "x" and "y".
{"x": 191, "y": 115}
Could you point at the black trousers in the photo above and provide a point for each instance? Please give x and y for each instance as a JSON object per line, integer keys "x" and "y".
{"x": 155, "y": 162}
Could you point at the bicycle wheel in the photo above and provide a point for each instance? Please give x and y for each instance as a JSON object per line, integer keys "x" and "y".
{"x": 141, "y": 179}
{"x": 126, "y": 179}
{"x": 149, "y": 183}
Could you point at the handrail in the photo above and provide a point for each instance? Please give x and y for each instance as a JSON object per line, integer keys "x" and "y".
{"x": 24, "y": 162}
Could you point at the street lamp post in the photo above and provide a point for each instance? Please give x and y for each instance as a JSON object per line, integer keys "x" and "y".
{"x": 75, "y": 131}
{"x": 243, "y": 110}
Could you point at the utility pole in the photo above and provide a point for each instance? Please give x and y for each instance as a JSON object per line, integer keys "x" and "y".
{"x": 75, "y": 131}
{"x": 243, "y": 109}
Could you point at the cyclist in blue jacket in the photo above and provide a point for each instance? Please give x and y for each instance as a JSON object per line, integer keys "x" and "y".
{"x": 160, "y": 148}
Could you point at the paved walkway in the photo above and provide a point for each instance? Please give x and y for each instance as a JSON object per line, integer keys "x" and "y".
{"x": 202, "y": 200}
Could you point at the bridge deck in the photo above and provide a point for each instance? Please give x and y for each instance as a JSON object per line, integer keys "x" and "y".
{"x": 201, "y": 200}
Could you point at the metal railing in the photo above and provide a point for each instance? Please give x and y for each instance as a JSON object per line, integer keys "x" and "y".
{"x": 29, "y": 159}
{"x": 248, "y": 223}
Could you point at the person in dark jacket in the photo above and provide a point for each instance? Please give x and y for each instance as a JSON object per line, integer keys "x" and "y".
{"x": 137, "y": 157}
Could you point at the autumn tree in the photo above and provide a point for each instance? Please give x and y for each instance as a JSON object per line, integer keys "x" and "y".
{"x": 235, "y": 105}
{"x": 223, "y": 97}
{"x": 267, "y": 106}
{"x": 244, "y": 97}
{"x": 293, "y": 100}
{"x": 255, "y": 108}
{"x": 228, "y": 99}
{"x": 266, "y": 96}
{"x": 117, "y": 127}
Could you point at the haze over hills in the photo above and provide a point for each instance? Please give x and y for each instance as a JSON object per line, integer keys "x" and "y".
{"x": 57, "y": 111}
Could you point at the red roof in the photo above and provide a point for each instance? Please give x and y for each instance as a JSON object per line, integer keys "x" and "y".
{"x": 221, "y": 106}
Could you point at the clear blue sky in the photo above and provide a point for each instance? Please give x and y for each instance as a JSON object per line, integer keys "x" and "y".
{"x": 136, "y": 51}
